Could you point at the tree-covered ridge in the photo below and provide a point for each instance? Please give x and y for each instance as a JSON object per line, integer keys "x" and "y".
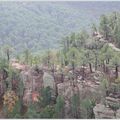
{"x": 23, "y": 24}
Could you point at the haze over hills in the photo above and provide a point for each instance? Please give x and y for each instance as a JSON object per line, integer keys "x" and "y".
{"x": 41, "y": 25}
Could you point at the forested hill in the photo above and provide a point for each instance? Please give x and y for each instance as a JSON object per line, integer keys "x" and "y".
{"x": 40, "y": 25}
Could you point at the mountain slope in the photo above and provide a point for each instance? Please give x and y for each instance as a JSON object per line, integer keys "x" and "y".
{"x": 41, "y": 25}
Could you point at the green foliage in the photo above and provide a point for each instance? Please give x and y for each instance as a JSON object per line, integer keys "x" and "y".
{"x": 105, "y": 84}
{"x": 116, "y": 59}
{"x": 94, "y": 28}
{"x": 115, "y": 106}
{"x": 41, "y": 33}
{"x": 46, "y": 96}
{"x": 82, "y": 38}
{"x": 109, "y": 27}
{"x": 31, "y": 112}
{"x": 36, "y": 24}
{"x": 75, "y": 105}
{"x": 73, "y": 55}
{"x": 59, "y": 107}
{"x": 104, "y": 27}
{"x": 16, "y": 111}
{"x": 87, "y": 108}
{"x": 47, "y": 112}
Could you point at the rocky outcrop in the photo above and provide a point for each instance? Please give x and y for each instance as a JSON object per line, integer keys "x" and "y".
{"x": 17, "y": 65}
{"x": 110, "y": 101}
{"x": 86, "y": 89}
{"x": 67, "y": 90}
{"x": 111, "y": 110}
{"x": 102, "y": 112}
{"x": 33, "y": 81}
